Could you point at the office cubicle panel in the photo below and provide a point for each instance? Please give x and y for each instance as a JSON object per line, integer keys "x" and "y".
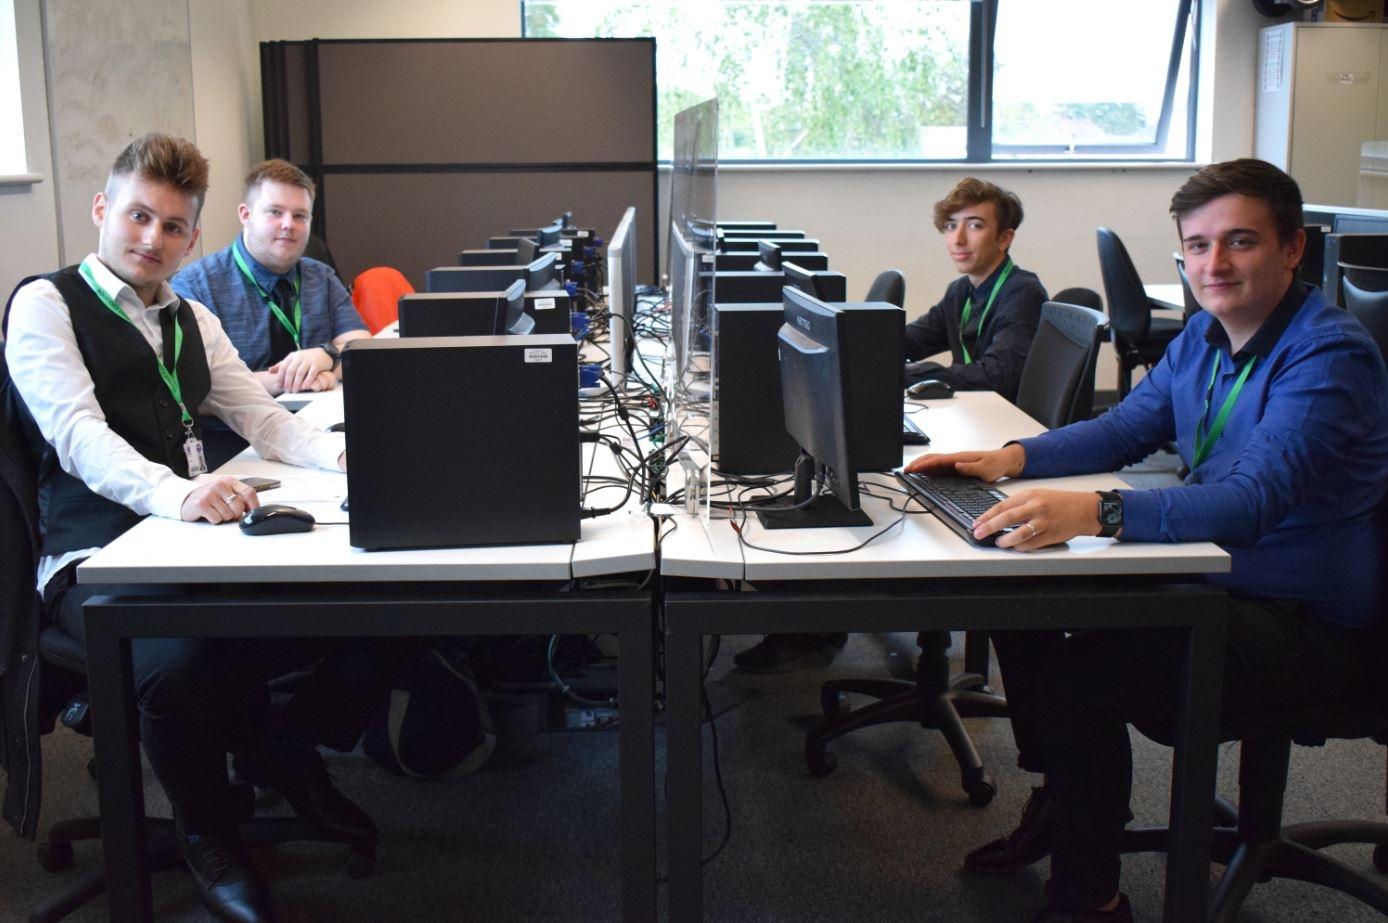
{"x": 415, "y": 222}
{"x": 501, "y": 132}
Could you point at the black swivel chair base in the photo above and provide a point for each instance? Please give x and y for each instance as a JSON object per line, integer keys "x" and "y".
{"x": 934, "y": 701}
{"x": 55, "y": 853}
{"x": 1253, "y": 846}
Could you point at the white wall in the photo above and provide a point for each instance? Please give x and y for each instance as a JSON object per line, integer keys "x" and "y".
{"x": 28, "y": 214}
{"x": 226, "y": 108}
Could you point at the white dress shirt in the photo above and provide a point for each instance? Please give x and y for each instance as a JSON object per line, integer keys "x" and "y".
{"x": 47, "y": 368}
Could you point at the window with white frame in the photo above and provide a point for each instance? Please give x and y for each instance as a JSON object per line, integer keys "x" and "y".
{"x": 913, "y": 80}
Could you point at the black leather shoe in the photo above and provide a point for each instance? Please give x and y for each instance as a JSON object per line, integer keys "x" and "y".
{"x": 227, "y": 886}
{"x": 293, "y": 767}
{"x": 1123, "y": 913}
{"x": 1030, "y": 842}
{"x": 790, "y": 652}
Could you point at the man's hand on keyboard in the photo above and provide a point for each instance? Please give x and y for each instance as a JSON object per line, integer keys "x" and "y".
{"x": 1042, "y": 518}
{"x": 989, "y": 466}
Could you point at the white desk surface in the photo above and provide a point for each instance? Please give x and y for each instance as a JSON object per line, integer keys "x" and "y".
{"x": 922, "y": 546}
{"x": 1171, "y": 296}
{"x": 165, "y": 551}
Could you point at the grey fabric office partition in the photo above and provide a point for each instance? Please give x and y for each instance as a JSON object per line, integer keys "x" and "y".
{"x": 424, "y": 147}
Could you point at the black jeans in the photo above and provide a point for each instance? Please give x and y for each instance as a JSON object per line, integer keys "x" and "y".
{"x": 201, "y": 698}
{"x": 1072, "y": 697}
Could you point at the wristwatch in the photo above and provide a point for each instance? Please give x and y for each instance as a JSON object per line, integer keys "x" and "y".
{"x": 1110, "y": 513}
{"x": 334, "y": 354}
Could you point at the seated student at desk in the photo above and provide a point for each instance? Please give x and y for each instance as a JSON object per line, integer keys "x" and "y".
{"x": 986, "y": 320}
{"x": 109, "y": 361}
{"x": 1278, "y": 402}
{"x": 287, "y": 315}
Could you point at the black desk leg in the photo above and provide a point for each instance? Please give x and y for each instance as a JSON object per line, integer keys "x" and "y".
{"x": 684, "y": 808}
{"x": 116, "y": 739}
{"x": 1193, "y": 766}
{"x": 636, "y": 753}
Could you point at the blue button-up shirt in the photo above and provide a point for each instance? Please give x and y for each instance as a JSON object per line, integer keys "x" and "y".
{"x": 1294, "y": 487}
{"x": 216, "y": 281}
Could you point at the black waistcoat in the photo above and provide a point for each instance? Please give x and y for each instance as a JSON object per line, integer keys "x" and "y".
{"x": 138, "y": 408}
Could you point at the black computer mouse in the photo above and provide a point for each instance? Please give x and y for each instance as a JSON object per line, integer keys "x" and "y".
{"x": 930, "y": 389}
{"x": 276, "y": 519}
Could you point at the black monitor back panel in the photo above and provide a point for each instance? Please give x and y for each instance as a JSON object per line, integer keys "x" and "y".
{"x": 472, "y": 278}
{"x": 743, "y": 260}
{"x": 750, "y": 436}
{"x": 489, "y": 257}
{"x": 787, "y": 244}
{"x": 460, "y": 441}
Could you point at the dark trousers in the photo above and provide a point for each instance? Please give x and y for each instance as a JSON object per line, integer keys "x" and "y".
{"x": 201, "y": 698}
{"x": 1072, "y": 697}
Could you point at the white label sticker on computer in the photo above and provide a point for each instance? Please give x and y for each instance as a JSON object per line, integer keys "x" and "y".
{"x": 539, "y": 355}
{"x": 708, "y": 258}
{"x": 544, "y": 304}
{"x": 580, "y": 233}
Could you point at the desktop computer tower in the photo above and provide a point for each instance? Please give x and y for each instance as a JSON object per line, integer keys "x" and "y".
{"x": 550, "y": 308}
{"x": 749, "y": 424}
{"x": 491, "y": 256}
{"x": 472, "y": 278}
{"x": 458, "y": 441}
{"x": 749, "y": 435}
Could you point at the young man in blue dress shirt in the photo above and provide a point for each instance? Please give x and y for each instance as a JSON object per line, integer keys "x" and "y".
{"x": 1278, "y": 402}
{"x": 288, "y": 316}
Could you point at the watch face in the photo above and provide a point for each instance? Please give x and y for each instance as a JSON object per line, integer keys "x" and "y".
{"x": 1110, "y": 511}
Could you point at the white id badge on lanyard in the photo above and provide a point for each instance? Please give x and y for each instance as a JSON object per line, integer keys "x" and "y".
{"x": 197, "y": 462}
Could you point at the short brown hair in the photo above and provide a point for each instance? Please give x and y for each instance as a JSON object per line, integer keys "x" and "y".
{"x": 161, "y": 158}
{"x": 277, "y": 171}
{"x": 972, "y": 191}
{"x": 1256, "y": 179}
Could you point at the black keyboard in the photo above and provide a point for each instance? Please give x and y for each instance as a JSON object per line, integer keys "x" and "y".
{"x": 911, "y": 434}
{"x": 957, "y": 501}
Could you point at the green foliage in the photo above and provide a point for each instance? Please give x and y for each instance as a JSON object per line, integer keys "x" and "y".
{"x": 1120, "y": 119}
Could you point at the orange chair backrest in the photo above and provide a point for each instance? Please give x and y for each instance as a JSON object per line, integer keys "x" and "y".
{"x": 376, "y": 293}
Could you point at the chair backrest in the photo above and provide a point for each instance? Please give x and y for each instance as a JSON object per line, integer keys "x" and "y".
{"x": 889, "y": 286}
{"x": 1057, "y": 386}
{"x": 1187, "y": 295}
{"x": 1129, "y": 310}
{"x": 1084, "y": 297}
{"x": 376, "y": 293}
{"x": 1366, "y": 297}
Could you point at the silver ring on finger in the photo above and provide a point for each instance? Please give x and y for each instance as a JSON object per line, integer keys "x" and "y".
{"x": 1031, "y": 527}
{"x": 230, "y": 499}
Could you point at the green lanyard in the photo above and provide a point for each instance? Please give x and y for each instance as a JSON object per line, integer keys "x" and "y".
{"x": 170, "y": 377}
{"x": 266, "y": 297}
{"x": 988, "y": 306}
{"x": 1203, "y": 444}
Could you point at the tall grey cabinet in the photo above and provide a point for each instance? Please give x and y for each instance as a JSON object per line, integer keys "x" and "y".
{"x": 1321, "y": 97}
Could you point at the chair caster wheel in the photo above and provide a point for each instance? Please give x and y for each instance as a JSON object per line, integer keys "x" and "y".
{"x": 980, "y": 791}
{"x": 361, "y": 862}
{"x": 832, "y": 703}
{"x": 821, "y": 762}
{"x": 54, "y": 857}
{"x": 1381, "y": 857}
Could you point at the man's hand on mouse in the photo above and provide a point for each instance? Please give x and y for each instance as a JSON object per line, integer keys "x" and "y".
{"x": 224, "y": 499}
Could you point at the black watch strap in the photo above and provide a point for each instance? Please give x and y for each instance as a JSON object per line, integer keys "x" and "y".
{"x": 1110, "y": 513}
{"x": 333, "y": 352}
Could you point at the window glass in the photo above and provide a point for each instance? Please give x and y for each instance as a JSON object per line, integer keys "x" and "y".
{"x": 797, "y": 79}
{"x": 1089, "y": 78}
{"x": 12, "y": 159}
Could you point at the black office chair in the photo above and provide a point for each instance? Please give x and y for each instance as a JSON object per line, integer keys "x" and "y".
{"x": 1139, "y": 338}
{"x": 889, "y": 286}
{"x": 1187, "y": 294}
{"x": 1250, "y": 840}
{"x": 1057, "y": 385}
{"x": 1366, "y": 297}
{"x": 46, "y": 673}
{"x": 1084, "y": 297}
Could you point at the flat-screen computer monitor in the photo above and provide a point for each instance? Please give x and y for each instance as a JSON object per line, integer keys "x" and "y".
{"x": 543, "y": 273}
{"x": 768, "y": 256}
{"x": 490, "y": 256}
{"x": 457, "y": 314}
{"x": 549, "y": 236}
{"x": 684, "y": 285}
{"x": 525, "y": 250}
{"x": 821, "y": 284}
{"x": 815, "y": 387}
{"x": 471, "y": 278}
{"x": 621, "y": 296}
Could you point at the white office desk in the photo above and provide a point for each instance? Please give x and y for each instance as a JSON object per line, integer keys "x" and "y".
{"x": 921, "y": 576}
{"x": 315, "y": 584}
{"x": 1169, "y": 298}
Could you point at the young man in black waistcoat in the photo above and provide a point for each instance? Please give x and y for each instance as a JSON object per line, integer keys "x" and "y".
{"x": 113, "y": 368}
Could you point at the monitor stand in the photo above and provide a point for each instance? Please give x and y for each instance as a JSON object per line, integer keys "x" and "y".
{"x": 825, "y": 512}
